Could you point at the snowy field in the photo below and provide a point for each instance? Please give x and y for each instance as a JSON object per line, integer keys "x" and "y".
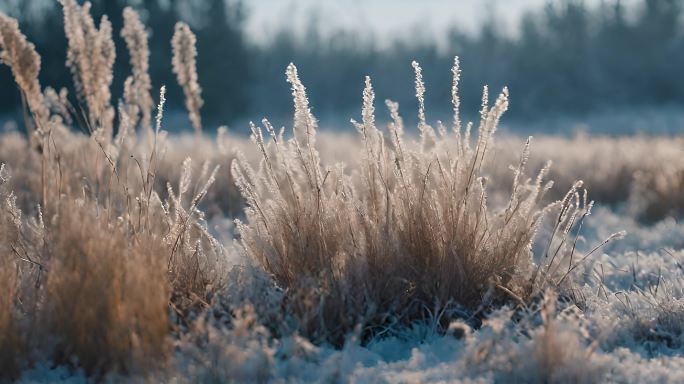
{"x": 621, "y": 321}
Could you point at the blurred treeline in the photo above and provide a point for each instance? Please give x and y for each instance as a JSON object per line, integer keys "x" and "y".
{"x": 565, "y": 59}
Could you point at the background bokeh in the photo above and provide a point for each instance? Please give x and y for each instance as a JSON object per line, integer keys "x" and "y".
{"x": 612, "y": 65}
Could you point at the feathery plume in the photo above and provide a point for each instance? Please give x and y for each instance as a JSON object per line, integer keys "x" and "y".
{"x": 58, "y": 102}
{"x": 304, "y": 127}
{"x": 90, "y": 57}
{"x": 20, "y": 55}
{"x": 185, "y": 67}
{"x": 136, "y": 39}
{"x": 304, "y": 122}
{"x": 420, "y": 92}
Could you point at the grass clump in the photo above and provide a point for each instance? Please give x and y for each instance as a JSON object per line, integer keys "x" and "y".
{"x": 99, "y": 266}
{"x": 407, "y": 236}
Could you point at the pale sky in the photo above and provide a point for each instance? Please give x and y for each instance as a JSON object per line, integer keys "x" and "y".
{"x": 387, "y": 18}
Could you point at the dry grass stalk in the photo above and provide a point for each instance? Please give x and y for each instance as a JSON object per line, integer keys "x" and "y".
{"x": 90, "y": 57}
{"x": 21, "y": 56}
{"x": 185, "y": 67}
{"x": 138, "y": 85}
{"x": 12, "y": 348}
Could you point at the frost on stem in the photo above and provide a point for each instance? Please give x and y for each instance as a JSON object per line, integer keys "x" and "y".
{"x": 304, "y": 128}
{"x": 455, "y": 98}
{"x": 160, "y": 109}
{"x": 427, "y": 134}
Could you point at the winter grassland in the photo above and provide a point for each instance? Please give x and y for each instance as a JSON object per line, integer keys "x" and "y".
{"x": 434, "y": 254}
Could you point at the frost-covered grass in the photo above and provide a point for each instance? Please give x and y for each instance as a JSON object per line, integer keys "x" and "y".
{"x": 409, "y": 234}
{"x": 389, "y": 256}
{"x": 641, "y": 175}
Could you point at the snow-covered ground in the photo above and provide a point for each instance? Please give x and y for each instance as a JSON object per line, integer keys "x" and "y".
{"x": 626, "y": 326}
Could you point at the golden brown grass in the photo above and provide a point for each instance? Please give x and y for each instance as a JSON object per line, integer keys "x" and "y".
{"x": 106, "y": 295}
{"x": 12, "y": 342}
{"x": 12, "y": 348}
